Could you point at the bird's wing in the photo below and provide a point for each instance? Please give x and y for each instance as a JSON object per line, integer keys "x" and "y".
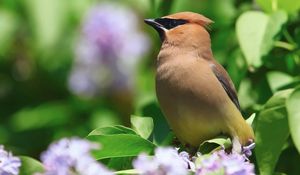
{"x": 226, "y": 82}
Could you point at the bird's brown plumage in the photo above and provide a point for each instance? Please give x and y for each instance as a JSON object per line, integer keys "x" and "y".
{"x": 195, "y": 93}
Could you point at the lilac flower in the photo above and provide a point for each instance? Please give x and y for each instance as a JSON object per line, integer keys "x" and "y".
{"x": 107, "y": 51}
{"x": 166, "y": 161}
{"x": 246, "y": 150}
{"x": 9, "y": 164}
{"x": 186, "y": 157}
{"x": 222, "y": 163}
{"x": 69, "y": 156}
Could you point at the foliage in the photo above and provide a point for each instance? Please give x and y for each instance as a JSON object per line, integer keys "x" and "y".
{"x": 258, "y": 42}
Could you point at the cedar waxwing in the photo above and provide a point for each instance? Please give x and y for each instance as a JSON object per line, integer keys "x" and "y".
{"x": 195, "y": 92}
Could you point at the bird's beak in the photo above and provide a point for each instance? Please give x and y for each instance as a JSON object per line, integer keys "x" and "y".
{"x": 154, "y": 24}
{"x": 158, "y": 27}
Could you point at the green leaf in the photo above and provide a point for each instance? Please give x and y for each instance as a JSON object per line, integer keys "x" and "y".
{"x": 251, "y": 119}
{"x": 161, "y": 128}
{"x": 278, "y": 99}
{"x": 256, "y": 32}
{"x": 30, "y": 166}
{"x": 142, "y": 125}
{"x": 278, "y": 79}
{"x": 111, "y": 130}
{"x": 250, "y": 28}
{"x": 119, "y": 141}
{"x": 271, "y": 132}
{"x": 120, "y": 145}
{"x": 43, "y": 116}
{"x": 120, "y": 163}
{"x": 236, "y": 66}
{"x": 275, "y": 22}
{"x": 125, "y": 172}
{"x": 212, "y": 144}
{"x": 293, "y": 109}
{"x": 273, "y": 5}
{"x": 247, "y": 96}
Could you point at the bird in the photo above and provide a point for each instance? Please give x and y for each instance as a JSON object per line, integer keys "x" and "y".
{"x": 195, "y": 93}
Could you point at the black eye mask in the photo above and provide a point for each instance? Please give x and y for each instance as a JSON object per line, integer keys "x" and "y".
{"x": 168, "y": 23}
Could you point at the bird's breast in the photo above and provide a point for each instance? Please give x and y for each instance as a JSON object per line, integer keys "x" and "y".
{"x": 191, "y": 98}
{"x": 189, "y": 83}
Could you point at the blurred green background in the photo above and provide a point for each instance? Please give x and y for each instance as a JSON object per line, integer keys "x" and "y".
{"x": 258, "y": 42}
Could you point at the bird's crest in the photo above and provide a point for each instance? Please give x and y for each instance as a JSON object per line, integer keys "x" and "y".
{"x": 192, "y": 17}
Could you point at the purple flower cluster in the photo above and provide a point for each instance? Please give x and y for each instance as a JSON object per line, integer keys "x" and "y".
{"x": 222, "y": 163}
{"x": 107, "y": 51}
{"x": 166, "y": 161}
{"x": 9, "y": 164}
{"x": 71, "y": 156}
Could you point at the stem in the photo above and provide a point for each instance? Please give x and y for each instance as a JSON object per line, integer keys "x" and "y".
{"x": 284, "y": 45}
{"x": 288, "y": 37}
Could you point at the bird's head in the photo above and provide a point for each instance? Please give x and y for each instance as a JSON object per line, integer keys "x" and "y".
{"x": 180, "y": 25}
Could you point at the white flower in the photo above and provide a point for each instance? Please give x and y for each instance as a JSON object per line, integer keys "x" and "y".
{"x": 166, "y": 161}
{"x": 69, "y": 156}
{"x": 223, "y": 163}
{"x": 9, "y": 164}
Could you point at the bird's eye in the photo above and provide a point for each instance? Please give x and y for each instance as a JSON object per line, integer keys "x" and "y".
{"x": 173, "y": 23}
{"x": 170, "y": 23}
